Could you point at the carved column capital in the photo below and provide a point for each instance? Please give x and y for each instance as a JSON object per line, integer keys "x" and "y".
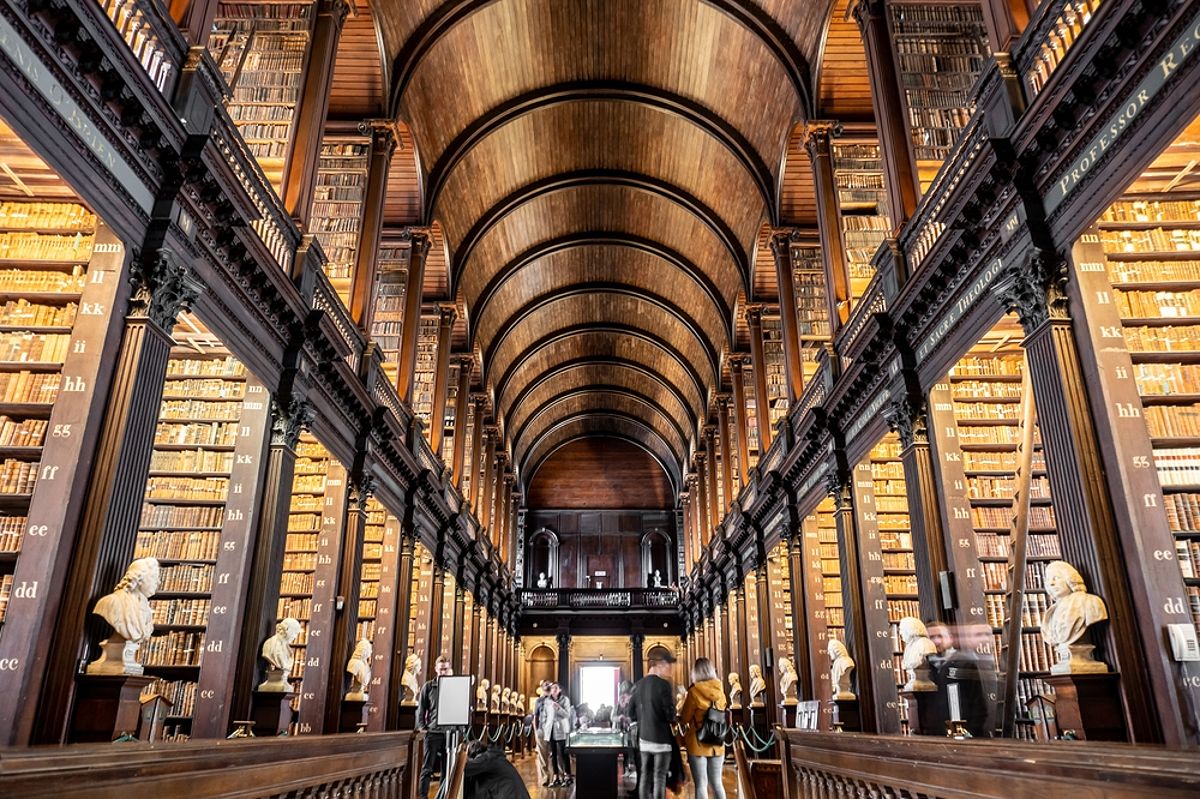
{"x": 461, "y": 359}
{"x": 1035, "y": 289}
{"x": 361, "y": 490}
{"x": 338, "y": 10}
{"x": 161, "y": 287}
{"x": 866, "y": 10}
{"x": 709, "y": 431}
{"x": 447, "y": 313}
{"x": 699, "y": 458}
{"x": 754, "y": 315}
{"x": 383, "y": 135}
{"x": 909, "y": 423}
{"x": 479, "y": 400}
{"x": 738, "y": 361}
{"x": 288, "y": 419}
{"x": 838, "y": 487}
{"x": 725, "y": 400}
{"x": 418, "y": 242}
{"x": 818, "y": 137}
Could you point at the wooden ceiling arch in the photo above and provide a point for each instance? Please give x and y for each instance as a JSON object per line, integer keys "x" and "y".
{"x": 595, "y": 374}
{"x": 606, "y": 425}
{"x": 603, "y": 91}
{"x": 617, "y": 343}
{"x": 524, "y": 421}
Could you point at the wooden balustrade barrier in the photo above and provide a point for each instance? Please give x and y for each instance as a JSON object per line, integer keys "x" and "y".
{"x": 367, "y": 766}
{"x": 831, "y": 766}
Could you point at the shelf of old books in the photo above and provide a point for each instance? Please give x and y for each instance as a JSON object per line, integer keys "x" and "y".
{"x": 812, "y": 306}
{"x": 418, "y": 612}
{"x": 211, "y": 426}
{"x": 337, "y": 206}
{"x": 822, "y": 581}
{"x": 448, "y": 430}
{"x": 985, "y": 390}
{"x": 862, "y": 207}
{"x": 387, "y": 322}
{"x": 753, "y": 446}
{"x": 446, "y": 642}
{"x": 777, "y": 390}
{"x": 261, "y": 50}
{"x": 940, "y": 52}
{"x": 45, "y": 250}
{"x": 371, "y": 573}
{"x": 895, "y": 541}
{"x": 779, "y": 579}
{"x": 423, "y": 371}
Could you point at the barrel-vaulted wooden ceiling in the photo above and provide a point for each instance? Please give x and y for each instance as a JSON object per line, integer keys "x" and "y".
{"x": 602, "y": 173}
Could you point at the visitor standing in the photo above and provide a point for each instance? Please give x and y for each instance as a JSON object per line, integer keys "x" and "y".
{"x": 557, "y": 721}
{"x": 539, "y": 737}
{"x": 653, "y": 709}
{"x": 435, "y": 737}
{"x": 707, "y": 760}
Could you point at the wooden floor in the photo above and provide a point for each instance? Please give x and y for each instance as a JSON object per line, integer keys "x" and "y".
{"x": 528, "y": 769}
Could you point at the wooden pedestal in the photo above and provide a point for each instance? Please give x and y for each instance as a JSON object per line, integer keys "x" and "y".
{"x": 787, "y": 714}
{"x": 739, "y": 716}
{"x": 408, "y": 716}
{"x": 926, "y": 712}
{"x": 758, "y": 721}
{"x": 1089, "y": 705}
{"x": 107, "y": 707}
{"x": 271, "y": 712}
{"x": 846, "y": 712}
{"x": 353, "y": 715}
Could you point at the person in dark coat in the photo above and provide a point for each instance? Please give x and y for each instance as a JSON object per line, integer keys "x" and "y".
{"x": 489, "y": 775}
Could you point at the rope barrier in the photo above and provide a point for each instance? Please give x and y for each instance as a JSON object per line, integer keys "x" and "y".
{"x": 758, "y": 750}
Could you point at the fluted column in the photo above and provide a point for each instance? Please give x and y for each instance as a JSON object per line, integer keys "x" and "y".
{"x": 704, "y": 528}
{"x": 362, "y": 287}
{"x": 487, "y": 489}
{"x": 458, "y": 619}
{"x": 714, "y": 497}
{"x": 300, "y": 168}
{"x": 475, "y": 453}
{"x": 723, "y": 403}
{"x": 411, "y": 327}
{"x": 447, "y": 313}
{"x": 762, "y": 403}
{"x": 818, "y": 141}
{"x": 737, "y": 365}
{"x": 781, "y": 249}
{"x": 466, "y": 363}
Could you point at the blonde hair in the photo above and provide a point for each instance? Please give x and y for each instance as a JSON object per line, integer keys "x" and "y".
{"x": 703, "y": 669}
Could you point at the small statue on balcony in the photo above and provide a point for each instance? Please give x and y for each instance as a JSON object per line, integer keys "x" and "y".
{"x": 408, "y": 680}
{"x": 542, "y": 580}
{"x": 1070, "y": 615}
{"x": 757, "y": 685}
{"x": 787, "y": 681}
{"x": 841, "y": 666}
{"x": 127, "y": 610}
{"x": 359, "y": 668}
{"x": 277, "y": 651}
{"x": 481, "y": 694}
{"x": 735, "y": 690}
{"x": 917, "y": 650}
{"x": 658, "y": 580}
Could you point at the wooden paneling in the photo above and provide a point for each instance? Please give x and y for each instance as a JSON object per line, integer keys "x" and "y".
{"x": 797, "y": 196}
{"x": 599, "y": 426}
{"x": 403, "y": 203}
{"x": 357, "y": 89}
{"x": 843, "y": 91}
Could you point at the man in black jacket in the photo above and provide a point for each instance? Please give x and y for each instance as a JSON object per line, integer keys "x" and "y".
{"x": 435, "y": 739}
{"x": 489, "y": 775}
{"x": 653, "y": 708}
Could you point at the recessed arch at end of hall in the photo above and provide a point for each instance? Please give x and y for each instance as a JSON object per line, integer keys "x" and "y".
{"x": 604, "y": 425}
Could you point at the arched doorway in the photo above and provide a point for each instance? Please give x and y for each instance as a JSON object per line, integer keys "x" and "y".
{"x": 543, "y": 665}
{"x": 657, "y": 558}
{"x": 543, "y": 559}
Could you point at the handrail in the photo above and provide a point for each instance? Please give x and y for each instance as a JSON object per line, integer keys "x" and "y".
{"x": 152, "y": 38}
{"x": 1056, "y": 26}
{"x": 850, "y": 765}
{"x": 614, "y": 599}
{"x": 244, "y": 768}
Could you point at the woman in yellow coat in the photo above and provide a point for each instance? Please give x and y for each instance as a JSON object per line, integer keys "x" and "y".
{"x": 706, "y": 760}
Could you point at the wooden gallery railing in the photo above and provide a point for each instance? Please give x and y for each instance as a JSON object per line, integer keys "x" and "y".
{"x": 368, "y": 766}
{"x": 832, "y": 766}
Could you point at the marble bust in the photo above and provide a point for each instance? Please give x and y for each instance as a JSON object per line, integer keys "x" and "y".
{"x": 735, "y": 690}
{"x": 542, "y": 582}
{"x": 757, "y": 685}
{"x": 359, "y": 669}
{"x": 1072, "y": 611}
{"x": 277, "y": 651}
{"x": 841, "y": 664}
{"x": 408, "y": 680}
{"x": 506, "y": 700}
{"x": 496, "y": 698}
{"x": 127, "y": 610}
{"x": 481, "y": 694}
{"x": 917, "y": 649}
{"x": 787, "y": 681}
{"x": 658, "y": 581}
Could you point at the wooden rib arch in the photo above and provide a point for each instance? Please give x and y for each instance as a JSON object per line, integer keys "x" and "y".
{"x": 605, "y": 90}
{"x": 598, "y": 177}
{"x": 606, "y": 424}
{"x": 630, "y": 375}
{"x": 744, "y": 12}
{"x": 592, "y": 289}
{"x": 597, "y": 390}
{"x": 583, "y": 239}
{"x": 685, "y": 366}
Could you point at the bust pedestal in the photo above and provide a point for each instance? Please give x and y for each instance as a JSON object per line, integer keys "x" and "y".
{"x": 846, "y": 712}
{"x": 354, "y": 713}
{"x": 924, "y": 715}
{"x": 106, "y": 707}
{"x": 1089, "y": 705}
{"x": 407, "y": 716}
{"x": 271, "y": 712}
{"x": 739, "y": 715}
{"x": 787, "y": 712}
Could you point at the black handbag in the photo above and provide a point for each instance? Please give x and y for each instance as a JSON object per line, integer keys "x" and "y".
{"x": 714, "y": 727}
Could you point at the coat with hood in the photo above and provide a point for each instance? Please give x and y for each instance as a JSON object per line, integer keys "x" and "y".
{"x": 557, "y": 718}
{"x": 701, "y": 696}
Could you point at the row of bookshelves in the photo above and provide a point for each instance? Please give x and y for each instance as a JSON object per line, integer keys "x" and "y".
{"x": 180, "y": 612}
{"x": 24, "y": 215}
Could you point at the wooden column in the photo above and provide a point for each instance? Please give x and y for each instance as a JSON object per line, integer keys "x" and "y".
{"x": 743, "y": 654}
{"x": 704, "y": 531}
{"x": 459, "y": 631}
{"x": 474, "y": 454}
{"x": 723, "y": 402}
{"x": 818, "y": 141}
{"x": 399, "y": 607}
{"x": 781, "y": 249}
{"x": 564, "y": 660}
{"x": 346, "y": 591}
{"x": 194, "y": 18}
{"x": 488, "y": 489}
{"x": 506, "y": 547}
{"x": 362, "y": 288}
{"x": 473, "y": 651}
{"x": 891, "y": 111}
{"x": 715, "y": 510}
{"x": 437, "y": 607}
{"x": 724, "y": 604}
{"x": 1005, "y": 21}
{"x": 685, "y": 503}
{"x": 762, "y": 402}
{"x": 924, "y": 504}
{"x": 163, "y": 286}
{"x": 411, "y": 326}
{"x": 766, "y": 624}
{"x": 447, "y": 313}
{"x": 466, "y": 363}
{"x": 809, "y": 627}
{"x": 737, "y": 365}
{"x": 1111, "y": 560}
{"x": 300, "y": 169}
{"x": 489, "y": 648}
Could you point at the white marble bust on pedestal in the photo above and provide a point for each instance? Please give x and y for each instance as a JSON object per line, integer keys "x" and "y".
{"x": 481, "y": 694}
{"x": 412, "y": 664}
{"x": 359, "y": 669}
{"x": 735, "y": 690}
{"x": 496, "y": 698}
{"x": 787, "y": 681}
{"x": 917, "y": 649}
{"x": 841, "y": 664}
{"x": 506, "y": 700}
{"x": 277, "y": 651}
{"x": 1072, "y": 611}
{"x": 127, "y": 610}
{"x": 757, "y": 685}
